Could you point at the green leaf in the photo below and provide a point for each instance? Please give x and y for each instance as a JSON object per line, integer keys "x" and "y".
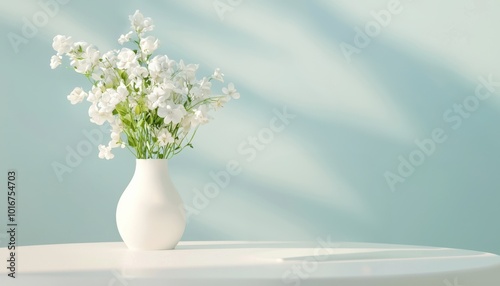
{"x": 121, "y": 109}
{"x": 128, "y": 122}
{"x": 159, "y": 120}
{"x": 149, "y": 119}
{"x": 123, "y": 74}
{"x": 131, "y": 142}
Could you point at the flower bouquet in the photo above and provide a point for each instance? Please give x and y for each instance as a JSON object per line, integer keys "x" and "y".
{"x": 154, "y": 106}
{"x": 153, "y": 103}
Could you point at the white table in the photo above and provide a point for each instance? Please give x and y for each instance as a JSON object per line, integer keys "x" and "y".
{"x": 251, "y": 263}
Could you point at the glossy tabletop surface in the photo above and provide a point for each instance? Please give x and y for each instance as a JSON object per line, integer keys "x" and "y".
{"x": 251, "y": 263}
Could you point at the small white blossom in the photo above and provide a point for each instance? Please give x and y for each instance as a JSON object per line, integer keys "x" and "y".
{"x": 200, "y": 116}
{"x": 62, "y": 44}
{"x": 116, "y": 140}
{"x": 172, "y": 113}
{"x": 125, "y": 38}
{"x": 126, "y": 59}
{"x": 95, "y": 94}
{"x": 105, "y": 152}
{"x": 77, "y": 95}
{"x": 55, "y": 61}
{"x": 219, "y": 103}
{"x": 231, "y": 91}
{"x": 218, "y": 75}
{"x": 141, "y": 24}
{"x": 117, "y": 126}
{"x": 99, "y": 116}
{"x": 164, "y": 137}
{"x": 158, "y": 68}
{"x": 109, "y": 59}
{"x": 189, "y": 71}
{"x": 137, "y": 74}
{"x": 132, "y": 102}
{"x": 206, "y": 87}
{"x": 122, "y": 92}
{"x": 107, "y": 102}
{"x": 149, "y": 45}
{"x": 84, "y": 57}
{"x": 159, "y": 96}
{"x": 111, "y": 97}
{"x": 201, "y": 90}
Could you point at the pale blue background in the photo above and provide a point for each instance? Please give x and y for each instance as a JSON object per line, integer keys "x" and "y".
{"x": 323, "y": 175}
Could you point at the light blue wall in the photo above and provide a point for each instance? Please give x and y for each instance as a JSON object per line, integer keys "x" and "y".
{"x": 323, "y": 175}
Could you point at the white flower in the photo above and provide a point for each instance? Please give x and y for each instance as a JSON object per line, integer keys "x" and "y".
{"x": 55, "y": 61}
{"x": 201, "y": 90}
{"x": 132, "y": 103}
{"x": 196, "y": 92}
{"x": 125, "y": 38}
{"x": 189, "y": 70}
{"x": 109, "y": 59}
{"x": 218, "y": 75}
{"x": 109, "y": 77}
{"x": 105, "y": 152}
{"x": 137, "y": 74}
{"x": 126, "y": 59}
{"x": 105, "y": 103}
{"x": 110, "y": 98}
{"x": 99, "y": 116}
{"x": 200, "y": 116}
{"x": 172, "y": 113}
{"x": 149, "y": 45}
{"x": 121, "y": 92}
{"x": 95, "y": 94}
{"x": 181, "y": 91}
{"x": 116, "y": 140}
{"x": 62, "y": 44}
{"x": 159, "y": 96}
{"x": 206, "y": 87}
{"x": 77, "y": 95}
{"x": 161, "y": 67}
{"x": 117, "y": 126}
{"x": 141, "y": 24}
{"x": 219, "y": 103}
{"x": 85, "y": 57}
{"x": 231, "y": 91}
{"x": 158, "y": 68}
{"x": 186, "y": 124}
{"x": 164, "y": 137}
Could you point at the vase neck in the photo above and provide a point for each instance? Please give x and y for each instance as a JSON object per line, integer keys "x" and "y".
{"x": 151, "y": 167}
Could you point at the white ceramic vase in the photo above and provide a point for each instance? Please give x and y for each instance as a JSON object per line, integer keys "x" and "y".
{"x": 150, "y": 214}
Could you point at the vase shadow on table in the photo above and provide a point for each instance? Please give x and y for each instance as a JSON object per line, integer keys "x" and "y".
{"x": 403, "y": 254}
{"x": 243, "y": 244}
